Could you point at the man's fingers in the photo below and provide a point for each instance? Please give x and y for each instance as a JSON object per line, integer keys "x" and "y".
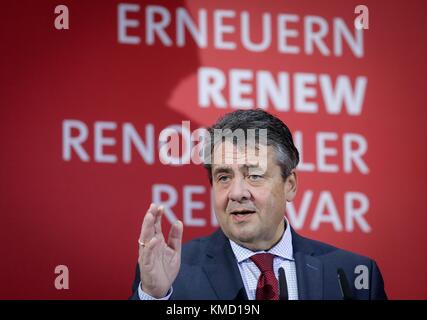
{"x": 175, "y": 236}
{"x": 147, "y": 228}
{"x": 147, "y": 253}
{"x": 158, "y": 221}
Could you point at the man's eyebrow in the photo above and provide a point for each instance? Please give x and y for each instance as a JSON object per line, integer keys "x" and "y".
{"x": 222, "y": 169}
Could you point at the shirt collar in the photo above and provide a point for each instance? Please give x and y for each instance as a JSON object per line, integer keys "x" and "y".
{"x": 282, "y": 249}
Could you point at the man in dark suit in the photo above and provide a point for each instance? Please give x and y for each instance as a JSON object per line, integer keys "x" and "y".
{"x": 255, "y": 247}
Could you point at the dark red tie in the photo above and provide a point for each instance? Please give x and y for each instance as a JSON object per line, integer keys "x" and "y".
{"x": 267, "y": 287}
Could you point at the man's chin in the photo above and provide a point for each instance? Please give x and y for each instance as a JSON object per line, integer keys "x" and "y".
{"x": 244, "y": 235}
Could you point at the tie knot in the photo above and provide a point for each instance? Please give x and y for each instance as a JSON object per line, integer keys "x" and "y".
{"x": 264, "y": 261}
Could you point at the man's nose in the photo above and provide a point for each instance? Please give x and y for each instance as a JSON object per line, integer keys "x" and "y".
{"x": 238, "y": 190}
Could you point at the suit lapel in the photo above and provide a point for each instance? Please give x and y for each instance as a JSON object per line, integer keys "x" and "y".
{"x": 309, "y": 277}
{"x": 309, "y": 269}
{"x": 221, "y": 269}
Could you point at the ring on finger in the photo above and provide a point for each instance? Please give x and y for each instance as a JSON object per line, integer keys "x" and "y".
{"x": 141, "y": 243}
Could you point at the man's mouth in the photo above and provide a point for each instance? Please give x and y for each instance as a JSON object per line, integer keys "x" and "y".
{"x": 241, "y": 215}
{"x": 242, "y": 212}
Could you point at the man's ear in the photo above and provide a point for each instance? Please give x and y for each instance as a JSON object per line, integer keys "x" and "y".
{"x": 291, "y": 185}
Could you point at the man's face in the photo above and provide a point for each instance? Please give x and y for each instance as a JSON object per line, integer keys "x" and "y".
{"x": 250, "y": 195}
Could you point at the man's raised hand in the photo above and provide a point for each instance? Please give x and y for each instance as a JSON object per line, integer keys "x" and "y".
{"x": 159, "y": 261}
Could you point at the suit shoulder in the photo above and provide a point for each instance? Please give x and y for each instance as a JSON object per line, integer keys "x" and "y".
{"x": 322, "y": 249}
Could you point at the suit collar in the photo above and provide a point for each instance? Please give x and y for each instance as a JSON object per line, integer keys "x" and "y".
{"x": 301, "y": 244}
{"x": 221, "y": 269}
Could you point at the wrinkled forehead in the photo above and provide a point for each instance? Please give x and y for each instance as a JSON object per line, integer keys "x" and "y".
{"x": 228, "y": 153}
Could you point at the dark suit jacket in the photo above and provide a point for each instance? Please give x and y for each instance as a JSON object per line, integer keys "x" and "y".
{"x": 209, "y": 271}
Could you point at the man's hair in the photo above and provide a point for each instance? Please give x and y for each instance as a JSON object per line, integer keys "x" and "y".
{"x": 278, "y": 136}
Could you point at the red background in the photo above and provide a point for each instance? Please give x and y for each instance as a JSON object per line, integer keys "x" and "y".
{"x": 87, "y": 215}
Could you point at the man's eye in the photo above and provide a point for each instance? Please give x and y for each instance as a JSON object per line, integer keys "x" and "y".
{"x": 223, "y": 178}
{"x": 255, "y": 177}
